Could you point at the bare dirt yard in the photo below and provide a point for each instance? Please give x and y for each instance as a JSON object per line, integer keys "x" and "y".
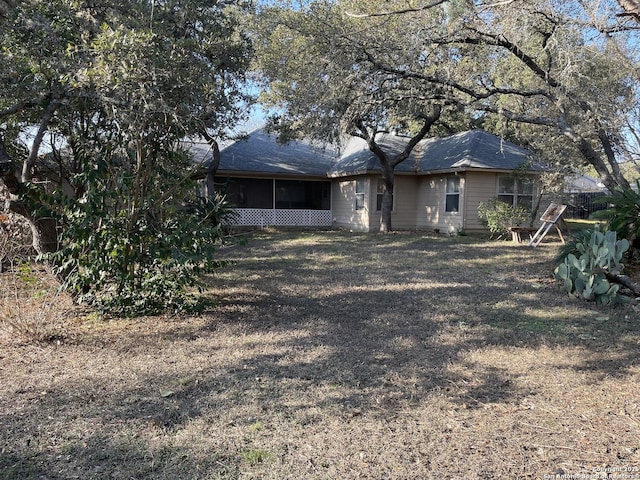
{"x": 331, "y": 355}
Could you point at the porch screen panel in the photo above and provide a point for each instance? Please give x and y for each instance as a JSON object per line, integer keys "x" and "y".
{"x": 247, "y": 192}
{"x": 303, "y": 195}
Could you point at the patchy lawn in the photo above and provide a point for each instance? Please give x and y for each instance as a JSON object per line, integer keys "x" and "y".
{"x": 337, "y": 356}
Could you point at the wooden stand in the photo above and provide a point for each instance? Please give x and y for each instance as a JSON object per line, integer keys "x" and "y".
{"x": 517, "y": 232}
{"x": 550, "y": 218}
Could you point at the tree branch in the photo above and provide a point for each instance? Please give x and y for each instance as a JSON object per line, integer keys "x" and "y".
{"x": 8, "y": 169}
{"x": 631, "y": 9}
{"x": 485, "y": 38}
{"x": 18, "y": 107}
{"x": 426, "y": 126}
{"x": 396, "y": 12}
{"x": 37, "y": 141}
{"x": 624, "y": 281}
{"x": 475, "y": 94}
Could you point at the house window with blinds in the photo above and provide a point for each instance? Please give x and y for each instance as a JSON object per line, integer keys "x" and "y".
{"x": 452, "y": 194}
{"x": 360, "y": 190}
{"x": 516, "y": 191}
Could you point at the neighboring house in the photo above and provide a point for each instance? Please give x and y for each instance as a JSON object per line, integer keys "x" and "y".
{"x": 438, "y": 187}
{"x": 582, "y": 194}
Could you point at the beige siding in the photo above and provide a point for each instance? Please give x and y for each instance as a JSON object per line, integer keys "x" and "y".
{"x": 404, "y": 213}
{"x": 419, "y": 203}
{"x": 431, "y": 205}
{"x": 373, "y": 217}
{"x": 404, "y": 204}
{"x": 481, "y": 186}
{"x": 343, "y": 206}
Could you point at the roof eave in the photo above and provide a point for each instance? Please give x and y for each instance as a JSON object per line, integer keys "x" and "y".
{"x": 283, "y": 175}
{"x": 441, "y": 171}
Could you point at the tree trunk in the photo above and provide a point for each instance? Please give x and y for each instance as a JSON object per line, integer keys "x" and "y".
{"x": 625, "y": 282}
{"x": 213, "y": 166}
{"x": 44, "y": 230}
{"x": 611, "y": 179}
{"x": 387, "y": 200}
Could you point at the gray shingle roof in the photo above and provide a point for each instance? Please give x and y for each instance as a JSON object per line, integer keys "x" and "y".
{"x": 472, "y": 149}
{"x": 260, "y": 153}
{"x": 357, "y": 159}
{"x": 475, "y": 149}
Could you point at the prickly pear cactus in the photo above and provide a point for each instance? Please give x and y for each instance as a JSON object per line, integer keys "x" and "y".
{"x": 584, "y": 276}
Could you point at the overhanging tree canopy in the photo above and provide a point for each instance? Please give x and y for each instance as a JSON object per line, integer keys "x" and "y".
{"x": 564, "y": 70}
{"x": 322, "y": 71}
{"x": 563, "y": 73}
{"x": 115, "y": 86}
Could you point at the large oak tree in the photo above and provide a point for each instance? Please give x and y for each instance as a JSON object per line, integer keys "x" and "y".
{"x": 560, "y": 77}
{"x": 563, "y": 75}
{"x": 119, "y": 81}
{"x": 322, "y": 73}
{"x": 95, "y": 100}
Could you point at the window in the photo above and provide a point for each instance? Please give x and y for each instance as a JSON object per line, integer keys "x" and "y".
{"x": 452, "y": 194}
{"x": 380, "y": 194}
{"x": 360, "y": 189}
{"x": 517, "y": 192}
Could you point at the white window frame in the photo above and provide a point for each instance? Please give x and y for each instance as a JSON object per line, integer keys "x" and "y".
{"x": 360, "y": 194}
{"x": 448, "y": 194}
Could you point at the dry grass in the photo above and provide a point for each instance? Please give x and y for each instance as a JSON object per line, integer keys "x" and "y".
{"x": 338, "y": 356}
{"x": 31, "y": 304}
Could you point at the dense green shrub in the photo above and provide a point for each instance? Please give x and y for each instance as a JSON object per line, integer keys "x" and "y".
{"x": 586, "y": 264}
{"x": 498, "y": 216}
{"x": 127, "y": 254}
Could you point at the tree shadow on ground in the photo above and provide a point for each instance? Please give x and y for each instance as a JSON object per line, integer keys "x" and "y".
{"x": 349, "y": 325}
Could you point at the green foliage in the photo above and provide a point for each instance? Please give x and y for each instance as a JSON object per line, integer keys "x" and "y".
{"x": 216, "y": 210}
{"x": 624, "y": 214}
{"x": 121, "y": 85}
{"x": 255, "y": 456}
{"x": 127, "y": 257}
{"x": 579, "y": 237}
{"x": 583, "y": 271}
{"x": 498, "y": 216}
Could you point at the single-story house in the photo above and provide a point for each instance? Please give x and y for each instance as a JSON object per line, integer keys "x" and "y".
{"x": 438, "y": 187}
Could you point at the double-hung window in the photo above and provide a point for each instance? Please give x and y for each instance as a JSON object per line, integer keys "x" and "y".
{"x": 452, "y": 194}
{"x": 516, "y": 191}
{"x": 360, "y": 190}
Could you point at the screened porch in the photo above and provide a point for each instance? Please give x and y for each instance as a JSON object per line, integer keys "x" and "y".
{"x": 273, "y": 202}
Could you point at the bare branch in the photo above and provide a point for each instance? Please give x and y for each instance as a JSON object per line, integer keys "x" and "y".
{"x": 485, "y": 38}
{"x": 497, "y": 4}
{"x": 37, "y": 141}
{"x": 428, "y": 120}
{"x": 18, "y": 107}
{"x": 396, "y": 12}
{"x": 475, "y": 94}
{"x": 631, "y": 9}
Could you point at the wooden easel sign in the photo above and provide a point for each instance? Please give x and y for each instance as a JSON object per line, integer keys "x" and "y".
{"x": 550, "y": 218}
